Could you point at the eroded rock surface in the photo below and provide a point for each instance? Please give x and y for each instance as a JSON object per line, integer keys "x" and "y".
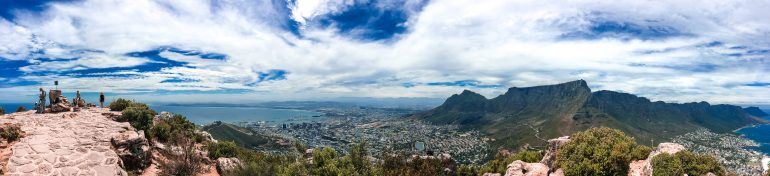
{"x": 225, "y": 164}
{"x": 132, "y": 148}
{"x": 549, "y": 159}
{"x": 644, "y": 167}
{"x": 78, "y": 144}
{"x": 521, "y": 168}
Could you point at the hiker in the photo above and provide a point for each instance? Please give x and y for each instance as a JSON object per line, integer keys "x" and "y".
{"x": 41, "y": 105}
{"x": 101, "y": 99}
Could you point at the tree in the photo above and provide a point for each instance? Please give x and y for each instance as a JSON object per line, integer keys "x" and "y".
{"x": 599, "y": 151}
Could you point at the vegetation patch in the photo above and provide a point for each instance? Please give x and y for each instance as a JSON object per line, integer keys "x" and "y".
{"x": 21, "y": 109}
{"x": 120, "y": 104}
{"x": 188, "y": 162}
{"x": 10, "y": 132}
{"x": 139, "y": 116}
{"x": 685, "y": 162}
{"x": 600, "y": 151}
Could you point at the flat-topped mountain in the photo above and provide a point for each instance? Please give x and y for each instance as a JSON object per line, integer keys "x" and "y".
{"x": 531, "y": 114}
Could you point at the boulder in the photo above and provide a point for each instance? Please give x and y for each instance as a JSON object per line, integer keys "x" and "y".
{"x": 225, "y": 164}
{"x": 521, "y": 168}
{"x": 133, "y": 149}
{"x": 640, "y": 168}
{"x": 59, "y": 102}
{"x": 669, "y": 148}
{"x": 644, "y": 167}
{"x": 549, "y": 159}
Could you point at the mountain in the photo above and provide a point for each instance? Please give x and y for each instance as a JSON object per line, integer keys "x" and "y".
{"x": 244, "y": 137}
{"x": 531, "y": 114}
{"x": 755, "y": 111}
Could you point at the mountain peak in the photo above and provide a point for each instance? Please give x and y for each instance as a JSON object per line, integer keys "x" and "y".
{"x": 755, "y": 111}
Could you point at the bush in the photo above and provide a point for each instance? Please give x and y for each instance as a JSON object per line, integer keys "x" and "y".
{"x": 259, "y": 163}
{"x": 120, "y": 104}
{"x": 21, "y": 109}
{"x": 10, "y": 132}
{"x": 139, "y": 116}
{"x": 2, "y": 111}
{"x": 685, "y": 162}
{"x": 224, "y": 149}
{"x": 161, "y": 131}
{"x": 174, "y": 128}
{"x": 187, "y": 163}
{"x": 599, "y": 151}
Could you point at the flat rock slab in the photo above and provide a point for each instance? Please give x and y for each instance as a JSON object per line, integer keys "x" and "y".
{"x": 67, "y": 143}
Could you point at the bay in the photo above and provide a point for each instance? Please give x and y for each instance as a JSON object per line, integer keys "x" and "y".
{"x": 205, "y": 115}
{"x": 759, "y": 134}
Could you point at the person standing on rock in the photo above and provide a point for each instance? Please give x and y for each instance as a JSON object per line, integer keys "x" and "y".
{"x": 41, "y": 104}
{"x": 101, "y": 99}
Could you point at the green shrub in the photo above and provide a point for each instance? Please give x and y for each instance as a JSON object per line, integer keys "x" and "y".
{"x": 2, "y": 111}
{"x": 120, "y": 104}
{"x": 139, "y": 116}
{"x": 21, "y": 109}
{"x": 599, "y": 151}
{"x": 224, "y": 149}
{"x": 685, "y": 162}
{"x": 10, "y": 132}
{"x": 259, "y": 163}
{"x": 186, "y": 163}
{"x": 161, "y": 131}
{"x": 173, "y": 129}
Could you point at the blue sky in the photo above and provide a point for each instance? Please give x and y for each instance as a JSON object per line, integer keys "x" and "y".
{"x": 250, "y": 51}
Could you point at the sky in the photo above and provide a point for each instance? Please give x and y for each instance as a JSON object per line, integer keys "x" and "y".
{"x": 274, "y": 50}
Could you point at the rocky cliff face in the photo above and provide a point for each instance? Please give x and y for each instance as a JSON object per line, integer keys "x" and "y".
{"x": 532, "y": 114}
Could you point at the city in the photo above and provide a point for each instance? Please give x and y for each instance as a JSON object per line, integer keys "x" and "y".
{"x": 384, "y": 131}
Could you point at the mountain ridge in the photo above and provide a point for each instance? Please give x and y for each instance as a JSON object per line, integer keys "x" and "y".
{"x": 528, "y": 115}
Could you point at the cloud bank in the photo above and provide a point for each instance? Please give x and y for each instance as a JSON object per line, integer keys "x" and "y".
{"x": 210, "y": 50}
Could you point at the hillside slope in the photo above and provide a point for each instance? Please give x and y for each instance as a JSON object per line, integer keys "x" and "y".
{"x": 243, "y": 137}
{"x": 529, "y": 115}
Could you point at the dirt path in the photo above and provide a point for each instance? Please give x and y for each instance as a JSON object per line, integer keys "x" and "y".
{"x": 68, "y": 143}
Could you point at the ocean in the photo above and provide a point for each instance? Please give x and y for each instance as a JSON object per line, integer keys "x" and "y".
{"x": 11, "y": 107}
{"x": 206, "y": 115}
{"x": 760, "y": 134}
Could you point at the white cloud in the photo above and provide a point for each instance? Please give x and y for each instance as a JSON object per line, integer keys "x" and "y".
{"x": 512, "y": 43}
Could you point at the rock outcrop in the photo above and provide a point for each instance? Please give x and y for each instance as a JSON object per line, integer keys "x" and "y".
{"x": 225, "y": 164}
{"x": 133, "y": 149}
{"x": 59, "y": 102}
{"x": 549, "y": 159}
{"x": 546, "y": 166}
{"x": 644, "y": 167}
{"x": 521, "y": 168}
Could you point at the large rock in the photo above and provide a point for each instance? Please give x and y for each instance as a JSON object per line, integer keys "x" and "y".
{"x": 549, "y": 159}
{"x": 133, "y": 149}
{"x": 225, "y": 164}
{"x": 521, "y": 168}
{"x": 669, "y": 148}
{"x": 644, "y": 167}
